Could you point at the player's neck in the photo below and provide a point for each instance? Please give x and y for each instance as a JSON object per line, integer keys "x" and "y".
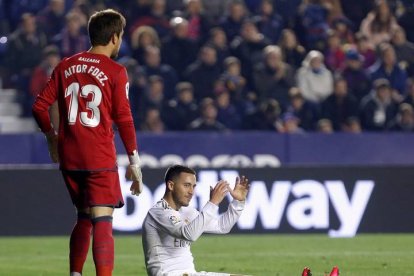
{"x": 168, "y": 198}
{"x": 101, "y": 50}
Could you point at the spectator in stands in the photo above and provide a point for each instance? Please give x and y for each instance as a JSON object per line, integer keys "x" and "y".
{"x": 405, "y": 20}
{"x": 208, "y": 117}
{"x": 343, "y": 29}
{"x": 340, "y": 106}
{"x": 232, "y": 79}
{"x": 218, "y": 40}
{"x": 334, "y": 54}
{"x": 153, "y": 96}
{"x": 409, "y": 95}
{"x": 204, "y": 72}
{"x": 306, "y": 111}
{"x": 273, "y": 77}
{"x": 266, "y": 117}
{"x": 52, "y": 17}
{"x": 291, "y": 124}
{"x": 153, "y": 66}
{"x": 23, "y": 53}
{"x": 178, "y": 50}
{"x": 388, "y": 68}
{"x": 352, "y": 125}
{"x": 141, "y": 38}
{"x": 248, "y": 48}
{"x": 156, "y": 18}
{"x": 268, "y": 21}
{"x": 227, "y": 112}
{"x": 215, "y": 9}
{"x": 314, "y": 18}
{"x": 232, "y": 22}
{"x": 378, "y": 108}
{"x": 366, "y": 50}
{"x": 181, "y": 110}
{"x": 404, "y": 50}
{"x": 292, "y": 51}
{"x": 25, "y": 47}
{"x": 359, "y": 83}
{"x": 42, "y": 72}
{"x": 379, "y": 24}
{"x": 324, "y": 126}
{"x": 404, "y": 121}
{"x": 198, "y": 23}
{"x": 137, "y": 87}
{"x": 314, "y": 79}
{"x": 72, "y": 39}
{"x": 152, "y": 121}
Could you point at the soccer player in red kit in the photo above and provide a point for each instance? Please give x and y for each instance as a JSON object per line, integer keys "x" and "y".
{"x": 92, "y": 93}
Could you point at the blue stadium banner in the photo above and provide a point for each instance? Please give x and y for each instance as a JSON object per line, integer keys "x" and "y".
{"x": 239, "y": 149}
{"x": 337, "y": 201}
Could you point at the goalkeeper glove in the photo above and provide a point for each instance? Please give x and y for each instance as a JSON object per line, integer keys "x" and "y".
{"x": 134, "y": 173}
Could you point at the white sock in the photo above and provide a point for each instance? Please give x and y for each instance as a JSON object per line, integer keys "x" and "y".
{"x": 75, "y": 274}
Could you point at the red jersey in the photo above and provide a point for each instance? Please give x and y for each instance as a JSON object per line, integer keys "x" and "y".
{"x": 92, "y": 93}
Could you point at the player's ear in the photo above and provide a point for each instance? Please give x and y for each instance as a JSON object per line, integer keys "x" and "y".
{"x": 114, "y": 38}
{"x": 170, "y": 185}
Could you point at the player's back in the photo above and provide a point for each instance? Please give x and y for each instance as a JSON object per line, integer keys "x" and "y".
{"x": 92, "y": 92}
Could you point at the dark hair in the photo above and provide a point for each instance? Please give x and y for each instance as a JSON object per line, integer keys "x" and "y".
{"x": 103, "y": 25}
{"x": 174, "y": 171}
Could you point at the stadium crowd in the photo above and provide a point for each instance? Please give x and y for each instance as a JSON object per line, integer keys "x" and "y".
{"x": 289, "y": 66}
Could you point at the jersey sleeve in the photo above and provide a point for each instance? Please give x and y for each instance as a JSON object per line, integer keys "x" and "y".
{"x": 43, "y": 101}
{"x": 225, "y": 222}
{"x": 170, "y": 222}
{"x": 121, "y": 112}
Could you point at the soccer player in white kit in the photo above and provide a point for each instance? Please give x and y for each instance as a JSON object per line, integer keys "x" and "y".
{"x": 171, "y": 226}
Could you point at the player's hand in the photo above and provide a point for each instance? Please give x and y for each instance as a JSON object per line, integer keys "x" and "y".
{"x": 52, "y": 145}
{"x": 218, "y": 193}
{"x": 134, "y": 173}
{"x": 241, "y": 188}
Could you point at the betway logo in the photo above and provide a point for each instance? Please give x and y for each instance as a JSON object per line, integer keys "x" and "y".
{"x": 308, "y": 210}
{"x": 202, "y": 161}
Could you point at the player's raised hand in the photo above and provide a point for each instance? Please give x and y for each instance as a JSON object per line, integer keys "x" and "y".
{"x": 52, "y": 145}
{"x": 218, "y": 193}
{"x": 134, "y": 173}
{"x": 241, "y": 188}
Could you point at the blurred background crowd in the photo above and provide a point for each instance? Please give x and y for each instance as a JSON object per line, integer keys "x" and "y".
{"x": 289, "y": 66}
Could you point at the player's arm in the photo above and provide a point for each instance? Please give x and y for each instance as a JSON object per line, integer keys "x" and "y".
{"x": 123, "y": 119}
{"x": 225, "y": 222}
{"x": 168, "y": 222}
{"x": 40, "y": 112}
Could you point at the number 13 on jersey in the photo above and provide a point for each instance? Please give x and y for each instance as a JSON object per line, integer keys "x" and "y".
{"x": 72, "y": 91}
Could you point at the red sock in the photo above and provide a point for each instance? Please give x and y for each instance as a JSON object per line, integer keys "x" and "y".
{"x": 103, "y": 245}
{"x": 79, "y": 242}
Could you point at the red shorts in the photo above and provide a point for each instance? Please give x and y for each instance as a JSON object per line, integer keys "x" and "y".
{"x": 88, "y": 189}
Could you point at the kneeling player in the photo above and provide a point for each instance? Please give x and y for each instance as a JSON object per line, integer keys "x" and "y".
{"x": 171, "y": 226}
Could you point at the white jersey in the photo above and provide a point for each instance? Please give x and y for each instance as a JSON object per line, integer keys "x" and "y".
{"x": 167, "y": 234}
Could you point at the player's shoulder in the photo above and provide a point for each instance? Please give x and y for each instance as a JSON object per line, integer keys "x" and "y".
{"x": 161, "y": 205}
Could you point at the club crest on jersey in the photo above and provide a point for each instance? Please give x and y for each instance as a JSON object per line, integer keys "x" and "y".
{"x": 174, "y": 219}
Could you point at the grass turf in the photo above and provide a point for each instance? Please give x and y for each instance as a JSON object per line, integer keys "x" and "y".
{"x": 259, "y": 255}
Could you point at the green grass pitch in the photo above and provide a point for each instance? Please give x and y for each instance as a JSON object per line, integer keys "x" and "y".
{"x": 259, "y": 255}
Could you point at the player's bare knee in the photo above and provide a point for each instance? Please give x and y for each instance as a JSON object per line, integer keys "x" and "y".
{"x": 101, "y": 211}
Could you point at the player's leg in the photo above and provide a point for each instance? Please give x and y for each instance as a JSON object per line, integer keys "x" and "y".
{"x": 81, "y": 232}
{"x": 103, "y": 241}
{"x": 104, "y": 194}
{"x": 79, "y": 242}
